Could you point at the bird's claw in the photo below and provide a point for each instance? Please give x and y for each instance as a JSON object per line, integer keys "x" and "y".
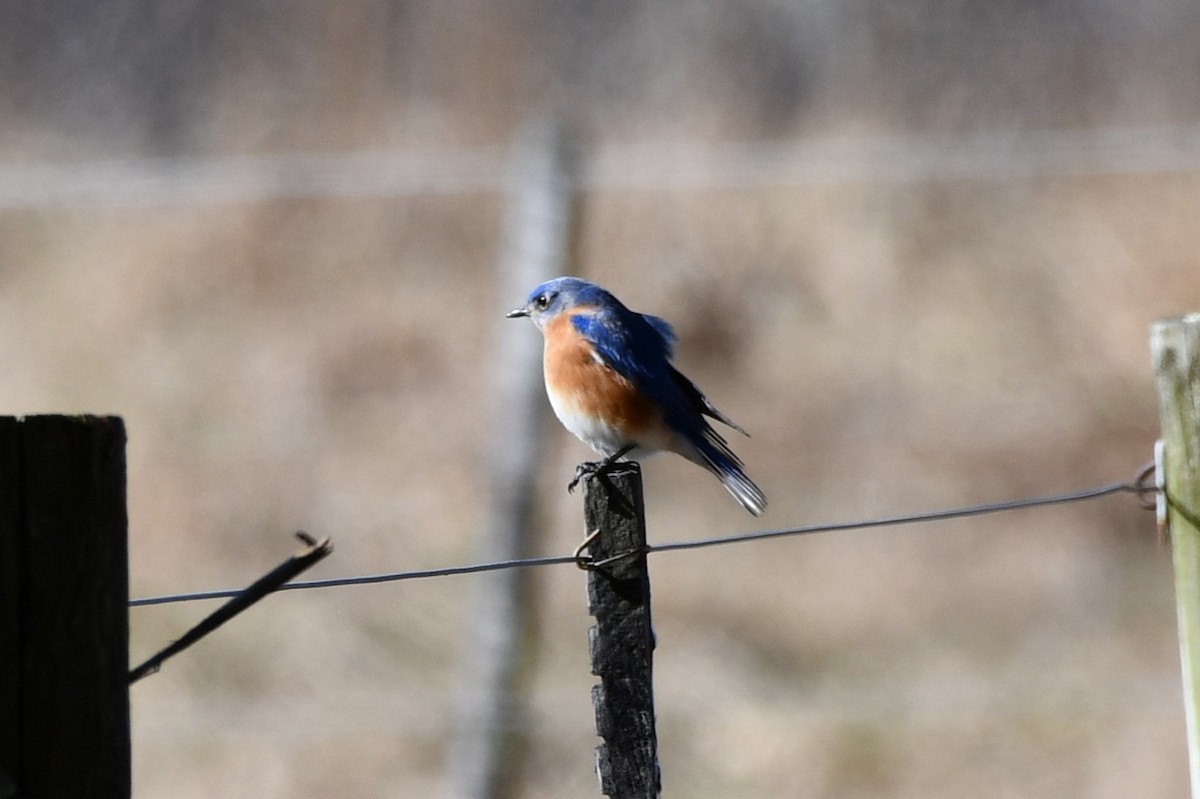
{"x": 587, "y": 469}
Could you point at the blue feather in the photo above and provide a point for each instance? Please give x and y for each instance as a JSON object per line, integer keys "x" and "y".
{"x": 665, "y": 330}
{"x": 639, "y": 347}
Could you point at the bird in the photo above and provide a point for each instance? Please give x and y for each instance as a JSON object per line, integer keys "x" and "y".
{"x": 610, "y": 380}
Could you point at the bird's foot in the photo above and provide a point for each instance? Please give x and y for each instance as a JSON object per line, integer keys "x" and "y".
{"x": 586, "y": 469}
{"x": 589, "y": 469}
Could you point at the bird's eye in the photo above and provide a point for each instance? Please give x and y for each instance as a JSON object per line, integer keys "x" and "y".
{"x": 541, "y": 302}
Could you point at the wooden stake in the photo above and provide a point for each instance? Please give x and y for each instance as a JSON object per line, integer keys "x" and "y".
{"x": 64, "y": 594}
{"x": 489, "y": 747}
{"x": 1175, "y": 344}
{"x": 622, "y": 642}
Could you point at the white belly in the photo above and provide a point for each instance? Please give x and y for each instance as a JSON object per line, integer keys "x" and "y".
{"x": 602, "y": 438}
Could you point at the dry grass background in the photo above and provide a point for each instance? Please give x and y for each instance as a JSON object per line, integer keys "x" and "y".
{"x": 324, "y": 364}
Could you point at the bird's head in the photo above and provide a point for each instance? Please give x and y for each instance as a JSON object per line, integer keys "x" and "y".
{"x": 556, "y": 296}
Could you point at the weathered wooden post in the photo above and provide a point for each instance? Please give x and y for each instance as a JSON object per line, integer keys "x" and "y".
{"x": 622, "y": 641}
{"x": 1175, "y": 344}
{"x": 485, "y": 759}
{"x": 64, "y": 631}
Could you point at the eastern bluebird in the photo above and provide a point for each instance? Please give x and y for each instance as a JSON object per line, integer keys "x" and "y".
{"x": 610, "y": 380}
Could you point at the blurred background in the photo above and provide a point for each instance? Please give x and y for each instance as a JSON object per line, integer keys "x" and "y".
{"x": 912, "y": 247}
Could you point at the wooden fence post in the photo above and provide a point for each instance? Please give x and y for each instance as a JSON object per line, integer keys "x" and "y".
{"x": 485, "y": 759}
{"x": 64, "y": 594}
{"x": 622, "y": 641}
{"x": 1175, "y": 344}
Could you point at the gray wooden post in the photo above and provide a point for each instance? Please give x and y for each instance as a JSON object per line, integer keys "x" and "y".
{"x": 64, "y": 631}
{"x": 622, "y": 641}
{"x": 485, "y": 759}
{"x": 1175, "y": 345}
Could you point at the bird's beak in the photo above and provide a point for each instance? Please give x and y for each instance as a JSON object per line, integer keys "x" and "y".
{"x": 516, "y": 313}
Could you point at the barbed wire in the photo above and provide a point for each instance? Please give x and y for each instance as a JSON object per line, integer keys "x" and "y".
{"x": 1137, "y": 487}
{"x": 995, "y": 155}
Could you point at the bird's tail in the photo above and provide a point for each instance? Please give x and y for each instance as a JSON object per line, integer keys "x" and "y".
{"x": 713, "y": 453}
{"x": 744, "y": 490}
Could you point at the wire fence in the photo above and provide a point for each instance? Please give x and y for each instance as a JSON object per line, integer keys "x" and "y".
{"x": 994, "y": 156}
{"x": 1138, "y": 486}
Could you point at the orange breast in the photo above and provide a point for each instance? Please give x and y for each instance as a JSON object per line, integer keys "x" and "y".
{"x": 591, "y": 388}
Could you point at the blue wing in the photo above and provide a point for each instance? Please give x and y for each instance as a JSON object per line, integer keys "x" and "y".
{"x": 639, "y": 348}
{"x": 664, "y": 329}
{"x": 636, "y": 347}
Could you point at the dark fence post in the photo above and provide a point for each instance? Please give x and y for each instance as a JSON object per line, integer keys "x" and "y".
{"x": 64, "y": 594}
{"x": 622, "y": 642}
